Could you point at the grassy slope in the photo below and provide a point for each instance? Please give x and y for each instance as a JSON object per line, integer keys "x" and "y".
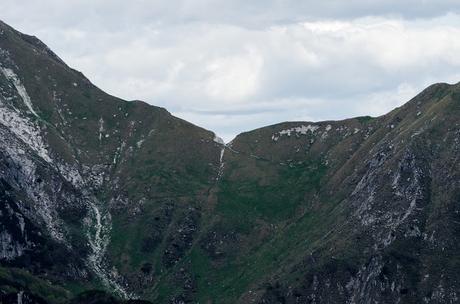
{"x": 284, "y": 205}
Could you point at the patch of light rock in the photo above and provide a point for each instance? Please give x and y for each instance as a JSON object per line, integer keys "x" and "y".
{"x": 11, "y": 76}
{"x": 301, "y": 130}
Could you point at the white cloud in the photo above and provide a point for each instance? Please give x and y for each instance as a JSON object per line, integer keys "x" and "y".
{"x": 234, "y": 78}
{"x": 232, "y": 66}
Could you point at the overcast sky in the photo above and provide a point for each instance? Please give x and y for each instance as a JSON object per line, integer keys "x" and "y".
{"x": 235, "y": 65}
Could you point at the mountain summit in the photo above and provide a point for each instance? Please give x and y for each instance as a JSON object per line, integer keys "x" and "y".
{"x": 104, "y": 200}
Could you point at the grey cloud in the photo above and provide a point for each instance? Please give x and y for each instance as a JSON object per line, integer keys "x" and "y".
{"x": 119, "y": 14}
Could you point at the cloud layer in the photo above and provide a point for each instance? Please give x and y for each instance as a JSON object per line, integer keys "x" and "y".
{"x": 231, "y": 67}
